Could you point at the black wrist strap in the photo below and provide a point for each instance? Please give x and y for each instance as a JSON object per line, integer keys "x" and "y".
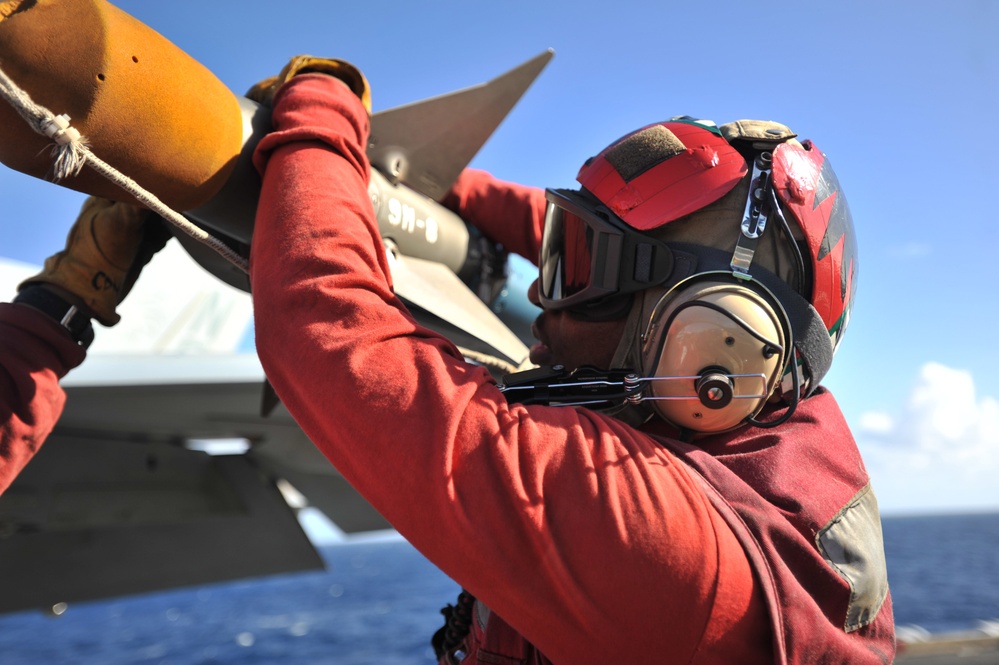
{"x": 66, "y": 314}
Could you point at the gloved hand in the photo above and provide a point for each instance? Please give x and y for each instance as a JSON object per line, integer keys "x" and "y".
{"x": 264, "y": 91}
{"x": 105, "y": 251}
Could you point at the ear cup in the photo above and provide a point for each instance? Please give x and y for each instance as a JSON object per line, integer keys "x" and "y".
{"x": 715, "y": 351}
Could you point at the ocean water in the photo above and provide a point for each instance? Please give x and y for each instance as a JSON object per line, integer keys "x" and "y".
{"x": 943, "y": 570}
{"x": 379, "y": 602}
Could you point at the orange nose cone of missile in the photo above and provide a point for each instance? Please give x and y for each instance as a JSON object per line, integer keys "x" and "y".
{"x": 144, "y": 106}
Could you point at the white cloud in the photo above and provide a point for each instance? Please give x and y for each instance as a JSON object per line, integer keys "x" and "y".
{"x": 877, "y": 422}
{"x": 941, "y": 452}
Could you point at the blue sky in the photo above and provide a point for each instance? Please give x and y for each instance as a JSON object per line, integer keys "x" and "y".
{"x": 901, "y": 96}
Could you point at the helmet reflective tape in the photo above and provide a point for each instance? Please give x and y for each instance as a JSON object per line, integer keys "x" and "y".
{"x": 715, "y": 351}
{"x": 808, "y": 187}
{"x": 588, "y": 254}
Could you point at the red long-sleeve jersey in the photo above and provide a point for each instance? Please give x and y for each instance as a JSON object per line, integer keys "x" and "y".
{"x": 35, "y": 352}
{"x": 583, "y": 534}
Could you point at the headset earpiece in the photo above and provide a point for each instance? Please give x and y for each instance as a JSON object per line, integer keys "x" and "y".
{"x": 715, "y": 348}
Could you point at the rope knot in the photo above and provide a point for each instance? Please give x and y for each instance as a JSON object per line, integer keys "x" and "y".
{"x": 70, "y": 153}
{"x": 59, "y": 130}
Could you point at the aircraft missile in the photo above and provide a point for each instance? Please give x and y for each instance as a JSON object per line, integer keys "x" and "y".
{"x": 164, "y": 120}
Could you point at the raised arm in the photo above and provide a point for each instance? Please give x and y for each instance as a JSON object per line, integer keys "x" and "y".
{"x": 528, "y": 508}
{"x": 507, "y": 213}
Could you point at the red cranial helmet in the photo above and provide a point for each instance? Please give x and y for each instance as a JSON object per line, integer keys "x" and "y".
{"x": 741, "y": 234}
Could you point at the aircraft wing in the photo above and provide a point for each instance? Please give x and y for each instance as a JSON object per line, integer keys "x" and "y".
{"x": 123, "y": 498}
{"x": 155, "y": 518}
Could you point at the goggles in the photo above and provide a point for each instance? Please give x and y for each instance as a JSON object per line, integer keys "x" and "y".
{"x": 589, "y": 254}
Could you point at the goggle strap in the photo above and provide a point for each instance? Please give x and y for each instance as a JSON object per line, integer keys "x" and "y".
{"x": 647, "y": 263}
{"x": 643, "y": 263}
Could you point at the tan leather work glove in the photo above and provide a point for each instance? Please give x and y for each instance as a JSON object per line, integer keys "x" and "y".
{"x": 264, "y": 91}
{"x": 105, "y": 251}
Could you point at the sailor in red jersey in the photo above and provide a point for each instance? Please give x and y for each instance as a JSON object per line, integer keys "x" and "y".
{"x": 45, "y": 332}
{"x": 724, "y": 517}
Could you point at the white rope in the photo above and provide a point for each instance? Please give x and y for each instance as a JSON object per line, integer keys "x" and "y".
{"x": 70, "y": 152}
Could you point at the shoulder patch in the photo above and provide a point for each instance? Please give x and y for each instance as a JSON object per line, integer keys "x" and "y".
{"x": 853, "y": 545}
